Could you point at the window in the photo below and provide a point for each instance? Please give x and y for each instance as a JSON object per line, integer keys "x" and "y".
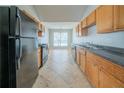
{"x": 60, "y": 39}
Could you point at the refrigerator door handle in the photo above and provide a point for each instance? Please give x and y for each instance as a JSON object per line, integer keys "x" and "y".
{"x": 20, "y": 53}
{"x": 20, "y": 35}
{"x": 20, "y": 45}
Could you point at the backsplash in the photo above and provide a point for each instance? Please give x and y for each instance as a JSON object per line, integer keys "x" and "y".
{"x": 115, "y": 39}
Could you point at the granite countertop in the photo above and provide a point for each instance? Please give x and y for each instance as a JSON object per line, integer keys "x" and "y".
{"x": 115, "y": 55}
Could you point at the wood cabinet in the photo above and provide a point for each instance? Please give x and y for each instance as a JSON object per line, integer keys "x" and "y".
{"x": 84, "y": 23}
{"x": 104, "y": 19}
{"x": 82, "y": 59}
{"x": 118, "y": 17}
{"x": 99, "y": 71}
{"x": 103, "y": 73}
{"x": 84, "y": 27}
{"x": 39, "y": 26}
{"x": 109, "y": 18}
{"x": 80, "y": 33}
{"x": 92, "y": 71}
{"x": 39, "y": 57}
{"x": 77, "y": 56}
{"x": 106, "y": 80}
{"x": 91, "y": 19}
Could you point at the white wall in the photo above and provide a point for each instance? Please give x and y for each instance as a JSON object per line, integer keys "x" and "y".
{"x": 115, "y": 39}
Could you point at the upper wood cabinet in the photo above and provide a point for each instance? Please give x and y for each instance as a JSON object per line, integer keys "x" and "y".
{"x": 77, "y": 29}
{"x": 104, "y": 18}
{"x": 39, "y": 26}
{"x": 84, "y": 23}
{"x": 80, "y": 33}
{"x": 109, "y": 18}
{"x": 91, "y": 19}
{"x": 119, "y": 17}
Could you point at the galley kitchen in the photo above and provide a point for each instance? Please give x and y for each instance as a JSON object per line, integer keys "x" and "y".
{"x": 67, "y": 46}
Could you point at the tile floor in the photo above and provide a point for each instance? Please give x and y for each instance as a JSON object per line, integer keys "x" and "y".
{"x": 60, "y": 71}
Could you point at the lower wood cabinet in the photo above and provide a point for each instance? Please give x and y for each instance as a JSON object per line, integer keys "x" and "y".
{"x": 82, "y": 58}
{"x": 92, "y": 71}
{"x": 82, "y": 61}
{"x": 106, "y": 80}
{"x": 100, "y": 72}
{"x": 77, "y": 56}
{"x": 39, "y": 57}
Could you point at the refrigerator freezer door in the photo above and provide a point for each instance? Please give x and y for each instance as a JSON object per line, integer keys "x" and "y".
{"x": 22, "y": 22}
{"x": 27, "y": 26}
{"x": 28, "y": 71}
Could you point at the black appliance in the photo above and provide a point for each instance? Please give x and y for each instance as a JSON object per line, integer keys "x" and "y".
{"x": 18, "y": 48}
{"x": 73, "y": 51}
{"x": 44, "y": 49}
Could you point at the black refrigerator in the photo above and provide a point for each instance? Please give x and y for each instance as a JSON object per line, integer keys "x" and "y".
{"x": 18, "y": 49}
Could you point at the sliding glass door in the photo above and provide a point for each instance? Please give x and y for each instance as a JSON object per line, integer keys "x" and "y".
{"x": 60, "y": 39}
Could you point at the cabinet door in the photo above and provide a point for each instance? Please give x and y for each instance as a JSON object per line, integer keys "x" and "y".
{"x": 92, "y": 72}
{"x": 82, "y": 62}
{"x": 91, "y": 19}
{"x": 77, "y": 58}
{"x": 119, "y": 17}
{"x": 39, "y": 57}
{"x": 80, "y": 30}
{"x": 108, "y": 81}
{"x": 84, "y": 23}
{"x": 104, "y": 19}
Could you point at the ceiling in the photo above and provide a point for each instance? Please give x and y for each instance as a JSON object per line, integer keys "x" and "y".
{"x": 60, "y": 25}
{"x": 60, "y": 13}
